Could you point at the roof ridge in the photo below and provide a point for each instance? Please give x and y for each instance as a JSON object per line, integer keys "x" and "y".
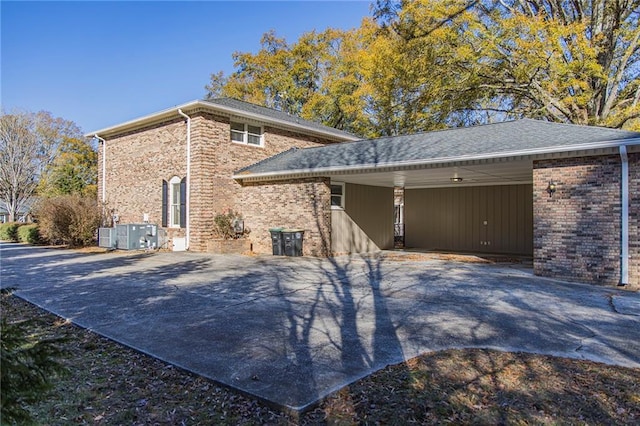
{"x": 574, "y": 125}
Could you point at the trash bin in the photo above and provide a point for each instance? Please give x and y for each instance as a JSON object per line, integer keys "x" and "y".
{"x": 292, "y": 241}
{"x": 277, "y": 243}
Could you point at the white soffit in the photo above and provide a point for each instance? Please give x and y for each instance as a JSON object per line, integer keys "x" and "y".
{"x": 499, "y": 173}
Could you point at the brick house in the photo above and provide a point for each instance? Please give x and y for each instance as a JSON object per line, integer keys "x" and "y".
{"x": 569, "y": 196}
{"x": 175, "y": 167}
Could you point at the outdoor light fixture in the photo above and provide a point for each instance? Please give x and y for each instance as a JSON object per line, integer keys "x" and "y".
{"x": 456, "y": 179}
{"x": 551, "y": 188}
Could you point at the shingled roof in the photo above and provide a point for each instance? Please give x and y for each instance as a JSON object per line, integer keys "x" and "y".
{"x": 525, "y": 137}
{"x": 231, "y": 107}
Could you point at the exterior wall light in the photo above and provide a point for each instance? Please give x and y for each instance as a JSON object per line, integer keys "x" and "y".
{"x": 551, "y": 188}
{"x": 456, "y": 179}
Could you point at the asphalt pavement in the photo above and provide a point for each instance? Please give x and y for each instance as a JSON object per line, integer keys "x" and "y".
{"x": 290, "y": 331}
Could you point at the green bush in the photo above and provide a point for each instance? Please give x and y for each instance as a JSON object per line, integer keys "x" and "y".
{"x": 69, "y": 219}
{"x": 29, "y": 363}
{"x": 29, "y": 234}
{"x": 225, "y": 226}
{"x": 9, "y": 231}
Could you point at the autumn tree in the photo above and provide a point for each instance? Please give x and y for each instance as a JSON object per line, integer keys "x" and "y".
{"x": 427, "y": 64}
{"x": 566, "y": 61}
{"x": 73, "y": 170}
{"x": 28, "y": 145}
{"x": 318, "y": 77}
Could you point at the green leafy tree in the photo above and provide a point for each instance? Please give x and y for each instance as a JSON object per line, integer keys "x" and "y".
{"x": 29, "y": 363}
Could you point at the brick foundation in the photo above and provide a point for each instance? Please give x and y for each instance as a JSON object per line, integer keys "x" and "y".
{"x": 577, "y": 230}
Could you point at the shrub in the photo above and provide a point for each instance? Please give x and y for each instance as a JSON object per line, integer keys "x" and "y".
{"x": 69, "y": 219}
{"x": 229, "y": 225}
{"x": 29, "y": 234}
{"x": 29, "y": 362}
{"x": 9, "y": 231}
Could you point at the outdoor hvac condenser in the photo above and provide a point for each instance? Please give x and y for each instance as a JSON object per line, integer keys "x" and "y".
{"x": 136, "y": 236}
{"x": 107, "y": 237}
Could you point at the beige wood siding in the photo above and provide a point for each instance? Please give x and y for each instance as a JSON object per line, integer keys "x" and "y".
{"x": 485, "y": 219}
{"x": 366, "y": 223}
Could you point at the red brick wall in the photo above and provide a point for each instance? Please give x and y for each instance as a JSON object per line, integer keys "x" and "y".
{"x": 136, "y": 165}
{"x": 138, "y": 161}
{"x": 303, "y": 204}
{"x": 577, "y": 230}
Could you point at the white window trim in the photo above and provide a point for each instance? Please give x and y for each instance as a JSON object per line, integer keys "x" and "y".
{"x": 342, "y": 196}
{"x": 172, "y": 215}
{"x": 245, "y": 134}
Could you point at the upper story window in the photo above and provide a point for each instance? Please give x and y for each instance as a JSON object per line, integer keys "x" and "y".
{"x": 246, "y": 134}
{"x": 337, "y": 195}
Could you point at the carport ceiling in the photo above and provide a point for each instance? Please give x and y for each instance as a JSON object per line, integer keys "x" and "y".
{"x": 472, "y": 174}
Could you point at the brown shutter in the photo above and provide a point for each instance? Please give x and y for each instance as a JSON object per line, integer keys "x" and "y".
{"x": 183, "y": 203}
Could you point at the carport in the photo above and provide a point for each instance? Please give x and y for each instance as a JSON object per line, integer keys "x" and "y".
{"x": 478, "y": 206}
{"x": 523, "y": 187}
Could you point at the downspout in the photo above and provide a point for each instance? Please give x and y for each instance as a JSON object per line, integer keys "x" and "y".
{"x": 624, "y": 249}
{"x": 188, "y": 212}
{"x": 104, "y": 175}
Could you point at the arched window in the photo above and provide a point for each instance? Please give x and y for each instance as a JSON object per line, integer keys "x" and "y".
{"x": 174, "y": 202}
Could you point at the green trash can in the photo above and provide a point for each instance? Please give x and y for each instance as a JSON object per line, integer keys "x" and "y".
{"x": 293, "y": 241}
{"x": 277, "y": 242}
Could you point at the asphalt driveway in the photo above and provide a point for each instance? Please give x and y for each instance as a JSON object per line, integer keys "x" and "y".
{"x": 292, "y": 330}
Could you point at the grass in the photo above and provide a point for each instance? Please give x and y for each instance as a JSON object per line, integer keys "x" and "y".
{"x": 112, "y": 384}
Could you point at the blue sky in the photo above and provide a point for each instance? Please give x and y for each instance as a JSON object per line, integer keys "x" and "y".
{"x": 102, "y": 63}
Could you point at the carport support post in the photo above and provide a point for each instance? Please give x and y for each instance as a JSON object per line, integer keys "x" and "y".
{"x": 624, "y": 240}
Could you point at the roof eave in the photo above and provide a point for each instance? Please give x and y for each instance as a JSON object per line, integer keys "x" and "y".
{"x": 532, "y": 153}
{"x": 170, "y": 113}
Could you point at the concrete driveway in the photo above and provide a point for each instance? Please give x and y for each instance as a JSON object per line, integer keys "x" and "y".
{"x": 292, "y": 330}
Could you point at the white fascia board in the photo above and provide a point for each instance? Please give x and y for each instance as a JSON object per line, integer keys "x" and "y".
{"x": 173, "y": 112}
{"x": 444, "y": 160}
{"x": 141, "y": 121}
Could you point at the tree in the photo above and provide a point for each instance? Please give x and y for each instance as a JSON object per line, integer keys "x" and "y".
{"x": 74, "y": 170}
{"x": 566, "y": 61}
{"x": 30, "y": 362}
{"x": 427, "y": 64}
{"x": 28, "y": 145}
{"x": 318, "y": 78}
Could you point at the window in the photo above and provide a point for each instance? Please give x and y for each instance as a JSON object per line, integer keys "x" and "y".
{"x": 174, "y": 210}
{"x": 174, "y": 202}
{"x": 337, "y": 195}
{"x": 246, "y": 134}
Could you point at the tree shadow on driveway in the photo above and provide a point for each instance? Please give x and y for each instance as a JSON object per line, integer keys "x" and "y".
{"x": 290, "y": 331}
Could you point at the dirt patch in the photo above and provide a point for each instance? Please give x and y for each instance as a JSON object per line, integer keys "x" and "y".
{"x": 112, "y": 384}
{"x": 423, "y": 257}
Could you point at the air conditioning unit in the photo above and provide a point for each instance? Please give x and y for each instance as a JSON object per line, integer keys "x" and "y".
{"x": 107, "y": 238}
{"x": 136, "y": 236}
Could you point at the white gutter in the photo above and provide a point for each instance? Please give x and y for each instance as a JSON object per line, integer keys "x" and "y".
{"x": 188, "y": 185}
{"x": 104, "y": 166}
{"x": 441, "y": 160}
{"x": 624, "y": 249}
